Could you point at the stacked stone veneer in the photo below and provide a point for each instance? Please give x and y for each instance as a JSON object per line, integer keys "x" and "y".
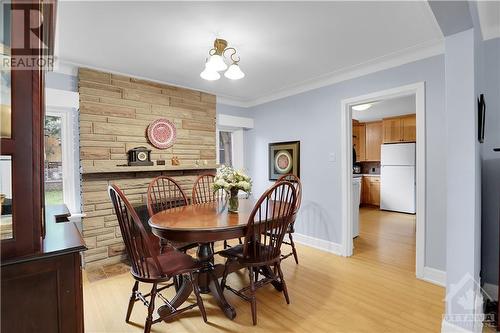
{"x": 115, "y": 111}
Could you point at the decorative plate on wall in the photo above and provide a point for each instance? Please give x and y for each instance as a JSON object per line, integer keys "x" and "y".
{"x": 162, "y": 133}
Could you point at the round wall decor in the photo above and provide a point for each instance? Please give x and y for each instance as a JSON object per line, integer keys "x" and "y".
{"x": 283, "y": 161}
{"x": 162, "y": 133}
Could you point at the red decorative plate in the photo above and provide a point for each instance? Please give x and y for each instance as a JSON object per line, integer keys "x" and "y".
{"x": 162, "y": 133}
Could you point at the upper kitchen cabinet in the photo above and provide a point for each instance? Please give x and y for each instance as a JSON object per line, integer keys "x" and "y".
{"x": 359, "y": 140}
{"x": 409, "y": 128}
{"x": 399, "y": 129}
{"x": 373, "y": 140}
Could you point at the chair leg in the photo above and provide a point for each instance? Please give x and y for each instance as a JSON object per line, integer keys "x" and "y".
{"x": 199, "y": 300}
{"x": 225, "y": 244}
{"x": 224, "y": 275}
{"x": 283, "y": 283}
{"x": 294, "y": 251}
{"x": 151, "y": 308}
{"x": 252, "y": 296}
{"x": 131, "y": 302}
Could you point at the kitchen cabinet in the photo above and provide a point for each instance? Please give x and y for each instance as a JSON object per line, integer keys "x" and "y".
{"x": 399, "y": 129}
{"x": 366, "y": 139}
{"x": 359, "y": 140}
{"x": 409, "y": 128}
{"x": 373, "y": 140}
{"x": 370, "y": 190}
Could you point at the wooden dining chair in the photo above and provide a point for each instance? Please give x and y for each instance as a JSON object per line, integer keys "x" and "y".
{"x": 203, "y": 190}
{"x": 147, "y": 267}
{"x": 261, "y": 249}
{"x": 291, "y": 229}
{"x": 164, "y": 193}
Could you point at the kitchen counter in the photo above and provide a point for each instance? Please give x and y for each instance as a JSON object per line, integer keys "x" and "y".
{"x": 366, "y": 175}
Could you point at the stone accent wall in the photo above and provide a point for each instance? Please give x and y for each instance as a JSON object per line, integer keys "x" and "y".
{"x": 114, "y": 114}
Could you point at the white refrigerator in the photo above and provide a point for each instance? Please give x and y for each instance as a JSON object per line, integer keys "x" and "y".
{"x": 397, "y": 177}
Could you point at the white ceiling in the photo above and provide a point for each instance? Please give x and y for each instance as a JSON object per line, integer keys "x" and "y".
{"x": 284, "y": 47}
{"x": 387, "y": 108}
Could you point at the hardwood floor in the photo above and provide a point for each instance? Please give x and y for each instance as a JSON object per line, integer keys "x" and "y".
{"x": 387, "y": 238}
{"x": 368, "y": 292}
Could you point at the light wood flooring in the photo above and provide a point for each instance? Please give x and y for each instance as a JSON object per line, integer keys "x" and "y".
{"x": 373, "y": 291}
{"x": 387, "y": 238}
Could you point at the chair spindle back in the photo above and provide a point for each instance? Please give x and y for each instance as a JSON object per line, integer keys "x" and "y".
{"x": 290, "y": 177}
{"x": 134, "y": 235}
{"x": 203, "y": 190}
{"x": 164, "y": 193}
{"x": 269, "y": 222}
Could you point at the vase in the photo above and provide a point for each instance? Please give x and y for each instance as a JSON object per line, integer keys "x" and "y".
{"x": 233, "y": 201}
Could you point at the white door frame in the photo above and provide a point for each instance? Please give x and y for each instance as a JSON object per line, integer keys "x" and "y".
{"x": 67, "y": 150}
{"x": 418, "y": 89}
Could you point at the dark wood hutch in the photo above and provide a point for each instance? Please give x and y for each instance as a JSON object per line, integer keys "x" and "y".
{"x": 41, "y": 279}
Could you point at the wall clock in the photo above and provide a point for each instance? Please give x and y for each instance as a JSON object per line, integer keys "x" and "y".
{"x": 162, "y": 133}
{"x": 139, "y": 156}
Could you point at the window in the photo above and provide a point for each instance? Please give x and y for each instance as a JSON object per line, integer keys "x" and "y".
{"x": 226, "y": 148}
{"x": 60, "y": 161}
{"x": 53, "y": 161}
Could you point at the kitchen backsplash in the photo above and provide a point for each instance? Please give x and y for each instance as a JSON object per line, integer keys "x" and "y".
{"x": 370, "y": 167}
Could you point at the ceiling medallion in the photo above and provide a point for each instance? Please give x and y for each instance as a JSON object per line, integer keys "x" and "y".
{"x": 215, "y": 63}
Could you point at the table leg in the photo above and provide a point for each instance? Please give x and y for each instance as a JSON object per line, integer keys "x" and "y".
{"x": 208, "y": 279}
{"x": 267, "y": 271}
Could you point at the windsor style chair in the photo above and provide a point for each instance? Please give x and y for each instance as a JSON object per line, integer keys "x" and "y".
{"x": 261, "y": 248}
{"x": 298, "y": 191}
{"x": 148, "y": 267}
{"x": 164, "y": 193}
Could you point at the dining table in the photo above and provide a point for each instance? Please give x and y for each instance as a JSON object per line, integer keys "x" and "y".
{"x": 205, "y": 224}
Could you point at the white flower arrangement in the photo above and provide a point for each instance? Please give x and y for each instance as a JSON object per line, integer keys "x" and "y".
{"x": 231, "y": 180}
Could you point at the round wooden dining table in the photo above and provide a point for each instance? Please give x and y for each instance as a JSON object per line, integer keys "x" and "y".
{"x": 204, "y": 224}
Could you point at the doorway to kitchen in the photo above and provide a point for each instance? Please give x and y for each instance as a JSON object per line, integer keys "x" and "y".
{"x": 384, "y": 177}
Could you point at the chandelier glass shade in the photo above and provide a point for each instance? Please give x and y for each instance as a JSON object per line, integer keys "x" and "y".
{"x": 216, "y": 62}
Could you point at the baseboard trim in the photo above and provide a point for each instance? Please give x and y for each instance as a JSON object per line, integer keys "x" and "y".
{"x": 318, "y": 243}
{"x": 491, "y": 290}
{"x": 447, "y": 327}
{"x": 435, "y": 276}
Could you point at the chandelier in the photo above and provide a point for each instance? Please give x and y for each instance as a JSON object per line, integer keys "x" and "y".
{"x": 215, "y": 62}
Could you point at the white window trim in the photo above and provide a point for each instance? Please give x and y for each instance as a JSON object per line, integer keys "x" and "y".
{"x": 236, "y": 125}
{"x": 237, "y": 144}
{"x": 67, "y": 149}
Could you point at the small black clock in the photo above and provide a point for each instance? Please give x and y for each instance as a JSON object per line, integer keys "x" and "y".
{"x": 139, "y": 156}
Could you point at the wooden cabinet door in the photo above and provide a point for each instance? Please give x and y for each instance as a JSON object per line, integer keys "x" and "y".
{"x": 373, "y": 140}
{"x": 392, "y": 130}
{"x": 355, "y": 140}
{"x": 375, "y": 191}
{"x": 409, "y": 128}
{"x": 361, "y": 148}
{"x": 365, "y": 190}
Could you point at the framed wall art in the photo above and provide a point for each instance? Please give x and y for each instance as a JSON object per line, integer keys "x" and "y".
{"x": 284, "y": 158}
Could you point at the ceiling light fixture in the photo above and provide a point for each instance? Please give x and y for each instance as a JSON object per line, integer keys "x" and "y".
{"x": 215, "y": 63}
{"x": 362, "y": 107}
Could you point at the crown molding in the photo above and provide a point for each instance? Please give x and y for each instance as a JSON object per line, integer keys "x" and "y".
{"x": 395, "y": 59}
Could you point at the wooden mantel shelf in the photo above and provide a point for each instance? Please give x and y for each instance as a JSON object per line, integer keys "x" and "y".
{"x": 152, "y": 168}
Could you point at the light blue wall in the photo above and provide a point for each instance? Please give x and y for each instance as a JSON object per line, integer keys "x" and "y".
{"x": 314, "y": 118}
{"x": 490, "y": 172}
